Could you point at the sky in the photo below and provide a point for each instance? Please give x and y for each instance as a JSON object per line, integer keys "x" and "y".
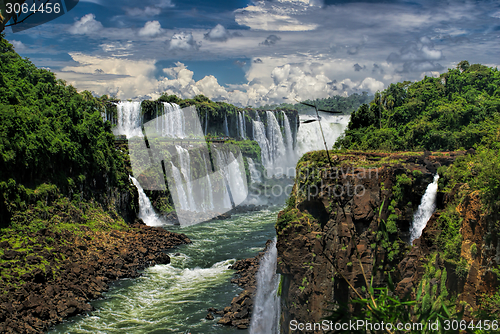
{"x": 252, "y": 53}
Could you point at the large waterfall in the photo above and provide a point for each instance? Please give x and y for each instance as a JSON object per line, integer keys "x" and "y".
{"x": 266, "y": 310}
{"x": 146, "y": 211}
{"x": 191, "y": 167}
{"x": 425, "y": 210}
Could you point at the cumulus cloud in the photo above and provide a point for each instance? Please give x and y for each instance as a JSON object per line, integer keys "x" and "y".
{"x": 418, "y": 56}
{"x": 218, "y": 33}
{"x": 86, "y": 25}
{"x": 180, "y": 82}
{"x": 271, "y": 40}
{"x": 183, "y": 41}
{"x": 150, "y": 29}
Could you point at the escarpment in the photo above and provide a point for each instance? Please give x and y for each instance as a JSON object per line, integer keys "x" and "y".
{"x": 350, "y": 222}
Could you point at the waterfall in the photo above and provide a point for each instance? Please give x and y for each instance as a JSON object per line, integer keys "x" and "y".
{"x": 173, "y": 119}
{"x": 233, "y": 173}
{"x": 266, "y": 310}
{"x": 309, "y": 135}
{"x": 185, "y": 166}
{"x": 226, "y": 130}
{"x": 244, "y": 132}
{"x": 181, "y": 194}
{"x": 425, "y": 210}
{"x": 242, "y": 125}
{"x": 289, "y": 138}
{"x": 206, "y": 123}
{"x": 210, "y": 205}
{"x": 259, "y": 135}
{"x": 146, "y": 210}
{"x": 129, "y": 119}
{"x": 254, "y": 173}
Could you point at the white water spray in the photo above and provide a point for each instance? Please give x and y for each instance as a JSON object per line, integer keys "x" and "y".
{"x": 129, "y": 119}
{"x": 266, "y": 310}
{"x": 425, "y": 210}
{"x": 146, "y": 211}
{"x": 255, "y": 176}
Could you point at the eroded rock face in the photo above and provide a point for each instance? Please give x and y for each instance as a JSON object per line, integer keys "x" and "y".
{"x": 330, "y": 233}
{"x": 78, "y": 269}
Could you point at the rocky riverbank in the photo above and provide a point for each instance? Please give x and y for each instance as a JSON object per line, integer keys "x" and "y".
{"x": 239, "y": 313}
{"x": 52, "y": 276}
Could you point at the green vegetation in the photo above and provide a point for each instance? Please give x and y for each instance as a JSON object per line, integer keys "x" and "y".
{"x": 453, "y": 111}
{"x": 52, "y": 139}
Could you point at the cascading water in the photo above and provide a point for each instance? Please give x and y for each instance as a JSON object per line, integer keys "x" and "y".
{"x": 289, "y": 138}
{"x": 259, "y": 135}
{"x": 242, "y": 125}
{"x": 181, "y": 194}
{"x": 309, "y": 135}
{"x": 226, "y": 129}
{"x": 129, "y": 119}
{"x": 277, "y": 146}
{"x": 185, "y": 165}
{"x": 254, "y": 173}
{"x": 425, "y": 210}
{"x": 146, "y": 210}
{"x": 210, "y": 205}
{"x": 173, "y": 119}
{"x": 266, "y": 310}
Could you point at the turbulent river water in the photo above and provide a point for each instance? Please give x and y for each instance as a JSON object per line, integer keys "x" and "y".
{"x": 174, "y": 298}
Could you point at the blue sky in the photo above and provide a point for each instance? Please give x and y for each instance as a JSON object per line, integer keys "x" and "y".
{"x": 259, "y": 52}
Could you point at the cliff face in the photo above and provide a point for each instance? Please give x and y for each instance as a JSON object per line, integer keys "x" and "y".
{"x": 331, "y": 230}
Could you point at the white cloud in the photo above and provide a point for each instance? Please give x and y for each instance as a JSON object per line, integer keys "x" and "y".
{"x": 19, "y": 46}
{"x": 183, "y": 41}
{"x": 86, "y": 25}
{"x": 125, "y": 78}
{"x": 218, "y": 33}
{"x": 151, "y": 28}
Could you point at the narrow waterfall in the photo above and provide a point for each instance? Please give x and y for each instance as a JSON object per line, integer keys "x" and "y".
{"x": 254, "y": 173}
{"x": 129, "y": 119}
{"x": 185, "y": 166}
{"x": 241, "y": 125}
{"x": 226, "y": 129}
{"x": 210, "y": 205}
{"x": 289, "y": 138}
{"x": 173, "y": 119}
{"x": 266, "y": 310}
{"x": 146, "y": 210}
{"x": 425, "y": 210}
{"x": 181, "y": 194}
{"x": 244, "y": 132}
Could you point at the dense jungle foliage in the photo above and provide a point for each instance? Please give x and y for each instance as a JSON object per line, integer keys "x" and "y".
{"x": 453, "y": 111}
{"x": 50, "y": 135}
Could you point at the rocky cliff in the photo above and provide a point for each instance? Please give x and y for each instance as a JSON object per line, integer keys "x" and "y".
{"x": 331, "y": 233}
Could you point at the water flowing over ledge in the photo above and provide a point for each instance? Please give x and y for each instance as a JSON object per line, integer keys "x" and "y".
{"x": 425, "y": 210}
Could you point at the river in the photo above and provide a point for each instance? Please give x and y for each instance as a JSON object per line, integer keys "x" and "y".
{"x": 174, "y": 298}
